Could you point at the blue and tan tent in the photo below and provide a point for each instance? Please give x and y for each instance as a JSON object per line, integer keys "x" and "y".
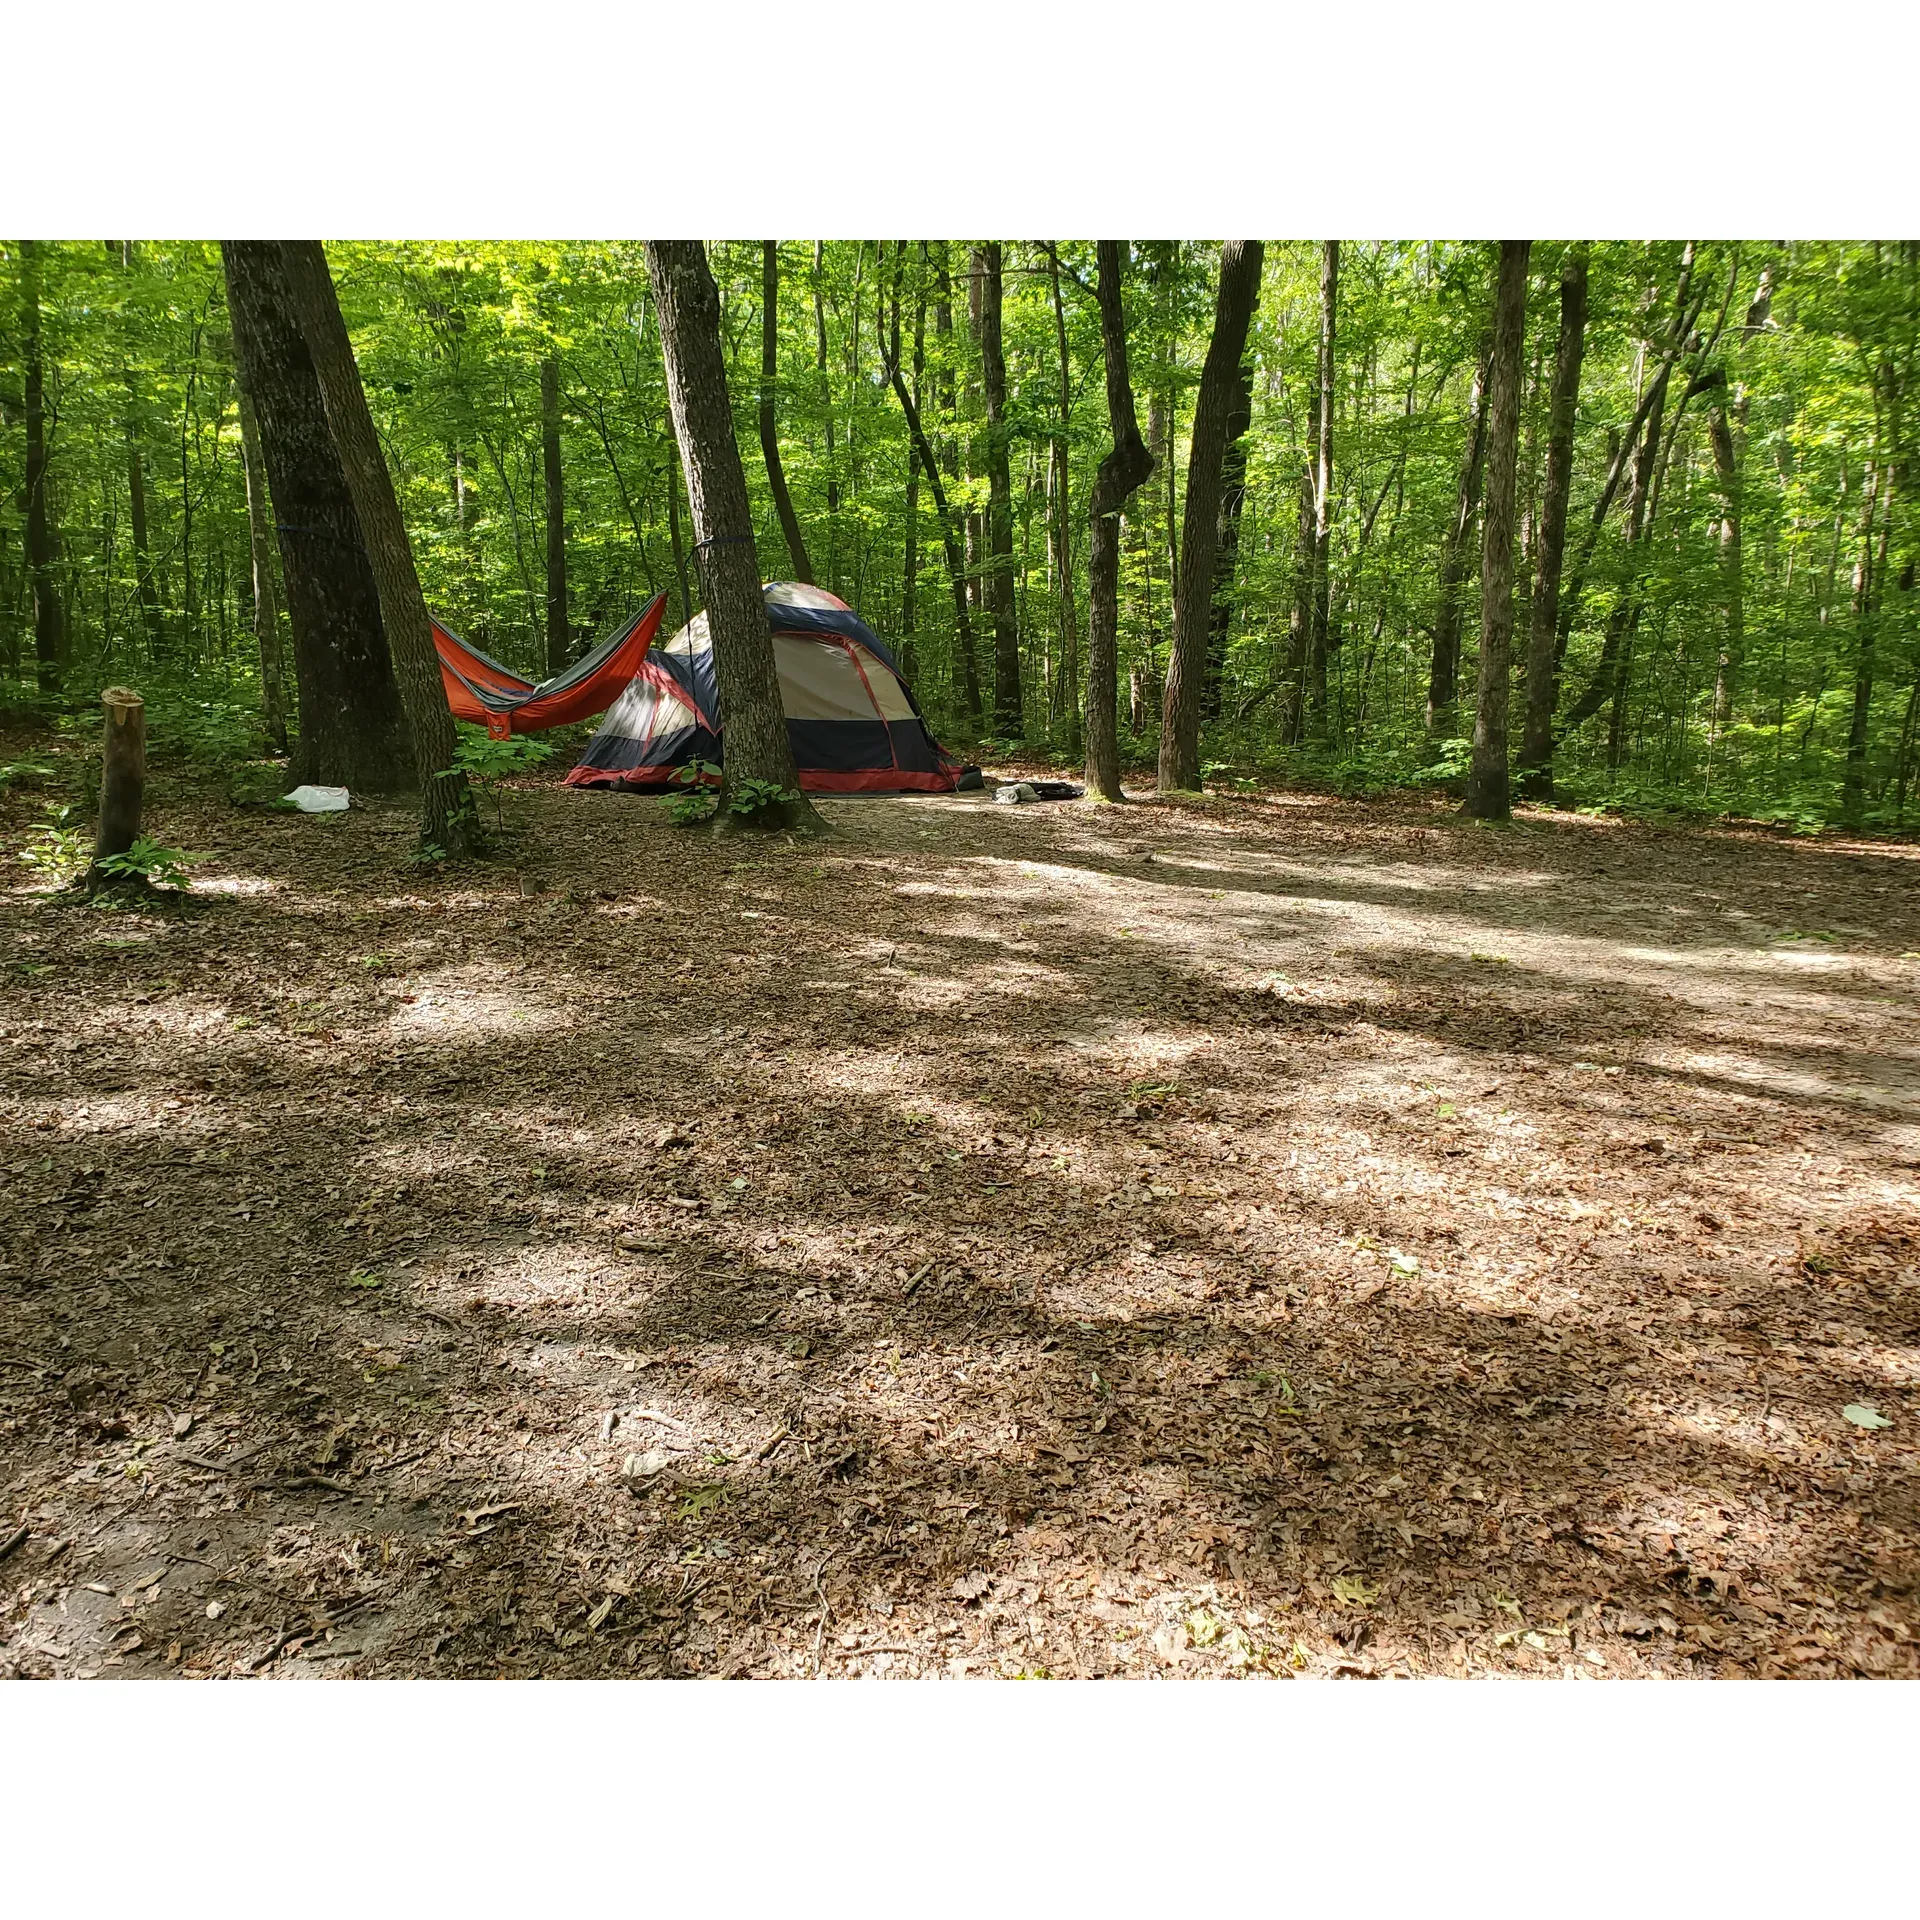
{"x": 853, "y": 721}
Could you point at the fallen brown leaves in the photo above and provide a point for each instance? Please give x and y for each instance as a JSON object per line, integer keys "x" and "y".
{"x": 1347, "y": 1243}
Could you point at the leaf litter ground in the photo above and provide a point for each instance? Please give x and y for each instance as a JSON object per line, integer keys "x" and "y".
{"x": 1259, "y": 1237}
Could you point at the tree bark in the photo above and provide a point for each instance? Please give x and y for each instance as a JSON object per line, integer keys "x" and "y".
{"x": 1066, "y": 692}
{"x": 769, "y": 423}
{"x": 352, "y": 732}
{"x": 1167, "y": 258}
{"x": 972, "y": 406}
{"x": 826, "y": 407}
{"x": 1652, "y": 405}
{"x": 49, "y": 612}
{"x": 1322, "y": 638}
{"x": 1233, "y": 497}
{"x": 1733, "y": 639}
{"x": 1853, "y": 791}
{"x": 123, "y": 775}
{"x": 448, "y": 820}
{"x": 1127, "y": 466}
{"x": 752, "y": 713}
{"x": 1443, "y": 679}
{"x": 145, "y": 585}
{"x": 1293, "y": 690}
{"x": 145, "y": 588}
{"x": 597, "y": 412}
{"x": 559, "y": 633}
{"x": 910, "y": 557}
{"x": 674, "y": 538}
{"x": 950, "y": 537}
{"x": 1009, "y": 718}
{"x": 1543, "y": 655}
{"x": 966, "y": 669}
{"x": 1609, "y": 673}
{"x": 1487, "y": 797}
{"x": 267, "y": 629}
{"x": 1220, "y": 387}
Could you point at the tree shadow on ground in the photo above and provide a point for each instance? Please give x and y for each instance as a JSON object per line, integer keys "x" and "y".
{"x": 1138, "y": 1323}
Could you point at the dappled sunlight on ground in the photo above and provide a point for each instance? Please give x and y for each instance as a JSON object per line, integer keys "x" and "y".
{"x": 1268, "y": 1237}
{"x": 443, "y": 1011}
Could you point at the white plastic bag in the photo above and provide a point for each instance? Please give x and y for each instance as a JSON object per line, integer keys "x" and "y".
{"x": 319, "y": 799}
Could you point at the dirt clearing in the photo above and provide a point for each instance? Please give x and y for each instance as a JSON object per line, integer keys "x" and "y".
{"x": 1264, "y": 1237}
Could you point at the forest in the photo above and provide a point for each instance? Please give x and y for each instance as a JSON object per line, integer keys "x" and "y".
{"x": 1713, "y": 541}
{"x": 1353, "y": 1115}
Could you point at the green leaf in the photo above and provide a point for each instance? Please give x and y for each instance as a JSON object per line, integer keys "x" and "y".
{"x": 1204, "y": 1628}
{"x": 1864, "y": 1416}
{"x": 148, "y": 860}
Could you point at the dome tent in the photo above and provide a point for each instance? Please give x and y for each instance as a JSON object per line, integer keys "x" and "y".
{"x": 853, "y": 723}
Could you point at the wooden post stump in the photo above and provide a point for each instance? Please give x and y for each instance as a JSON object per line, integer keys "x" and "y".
{"x": 123, "y": 777}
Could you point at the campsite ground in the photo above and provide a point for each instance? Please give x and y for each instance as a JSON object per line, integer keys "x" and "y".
{"x": 1268, "y": 1236}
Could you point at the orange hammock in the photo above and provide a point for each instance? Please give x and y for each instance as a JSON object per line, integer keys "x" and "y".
{"x": 481, "y": 690}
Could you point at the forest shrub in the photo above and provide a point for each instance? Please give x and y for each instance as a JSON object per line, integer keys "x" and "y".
{"x": 494, "y": 762}
{"x": 700, "y": 803}
{"x": 148, "y": 860}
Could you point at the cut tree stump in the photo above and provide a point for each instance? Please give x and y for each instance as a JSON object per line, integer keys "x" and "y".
{"x": 123, "y": 776}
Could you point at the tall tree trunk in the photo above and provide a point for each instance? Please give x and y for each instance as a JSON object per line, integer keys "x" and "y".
{"x": 1220, "y": 384}
{"x": 1543, "y": 653}
{"x": 910, "y": 556}
{"x": 1487, "y": 777}
{"x": 9, "y": 605}
{"x": 1853, "y": 792}
{"x": 559, "y": 633}
{"x": 675, "y": 540}
{"x": 966, "y": 668}
{"x": 266, "y": 590}
{"x": 145, "y": 585}
{"x": 1620, "y": 686}
{"x": 49, "y": 612}
{"x": 447, "y": 817}
{"x": 352, "y": 730}
{"x": 1008, "y": 717}
{"x": 950, "y": 535}
{"x": 1066, "y": 694}
{"x": 1233, "y": 497}
{"x": 769, "y": 423}
{"x": 752, "y": 713}
{"x": 1733, "y": 638}
{"x": 1163, "y": 434}
{"x": 1527, "y": 516}
{"x": 189, "y": 608}
{"x": 598, "y": 414}
{"x": 1322, "y": 639}
{"x": 1609, "y": 679}
{"x": 1127, "y": 466}
{"x": 826, "y": 406}
{"x": 145, "y": 589}
{"x": 969, "y": 443}
{"x": 1293, "y": 691}
{"x": 1443, "y": 679}
{"x": 1647, "y": 417}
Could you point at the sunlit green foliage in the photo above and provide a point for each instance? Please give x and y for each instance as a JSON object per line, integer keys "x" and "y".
{"x": 451, "y": 337}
